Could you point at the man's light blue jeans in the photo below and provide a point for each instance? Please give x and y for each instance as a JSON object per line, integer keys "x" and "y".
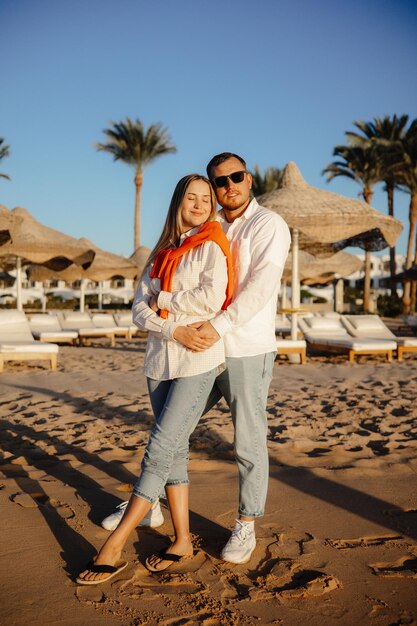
{"x": 244, "y": 385}
{"x": 177, "y": 405}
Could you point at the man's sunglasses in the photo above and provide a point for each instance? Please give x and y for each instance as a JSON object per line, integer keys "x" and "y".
{"x": 235, "y": 177}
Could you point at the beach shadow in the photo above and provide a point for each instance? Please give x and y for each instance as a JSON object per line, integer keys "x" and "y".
{"x": 349, "y": 499}
{"x": 90, "y": 491}
{"x": 87, "y": 488}
{"x": 97, "y": 407}
{"x": 75, "y": 549}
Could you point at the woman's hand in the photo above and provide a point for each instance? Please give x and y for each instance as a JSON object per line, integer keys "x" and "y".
{"x": 190, "y": 338}
{"x": 153, "y": 303}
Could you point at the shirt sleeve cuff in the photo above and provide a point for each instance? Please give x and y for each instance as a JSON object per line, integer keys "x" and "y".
{"x": 168, "y": 329}
{"x": 164, "y": 300}
{"x": 221, "y": 324}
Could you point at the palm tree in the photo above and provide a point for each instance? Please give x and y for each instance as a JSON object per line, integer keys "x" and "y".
{"x": 130, "y": 142}
{"x": 386, "y": 135}
{"x": 267, "y": 182}
{"x": 406, "y": 170}
{"x": 362, "y": 165}
{"x": 4, "y": 152}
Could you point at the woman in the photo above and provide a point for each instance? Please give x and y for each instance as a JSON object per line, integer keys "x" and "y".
{"x": 188, "y": 278}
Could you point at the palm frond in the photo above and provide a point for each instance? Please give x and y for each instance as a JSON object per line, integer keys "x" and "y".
{"x": 128, "y": 141}
{"x": 4, "y": 152}
{"x": 264, "y": 183}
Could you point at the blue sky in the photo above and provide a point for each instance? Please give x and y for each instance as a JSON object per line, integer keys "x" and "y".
{"x": 275, "y": 80}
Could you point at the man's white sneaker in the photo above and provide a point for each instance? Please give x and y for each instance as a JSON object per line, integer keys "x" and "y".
{"x": 241, "y": 544}
{"x": 153, "y": 519}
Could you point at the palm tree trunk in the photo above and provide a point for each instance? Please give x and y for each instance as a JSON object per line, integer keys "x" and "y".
{"x": 413, "y": 297}
{"x": 392, "y": 266}
{"x": 367, "y": 282}
{"x": 138, "y": 184}
{"x": 367, "y": 195}
{"x": 409, "y": 257}
{"x": 414, "y": 283}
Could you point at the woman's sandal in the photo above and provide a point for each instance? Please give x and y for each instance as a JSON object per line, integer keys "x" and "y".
{"x": 164, "y": 555}
{"x": 101, "y": 569}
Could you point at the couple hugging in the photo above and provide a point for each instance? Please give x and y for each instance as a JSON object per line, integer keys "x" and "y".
{"x": 207, "y": 298}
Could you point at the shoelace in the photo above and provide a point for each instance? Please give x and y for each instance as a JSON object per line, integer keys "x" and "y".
{"x": 123, "y": 505}
{"x": 241, "y": 533}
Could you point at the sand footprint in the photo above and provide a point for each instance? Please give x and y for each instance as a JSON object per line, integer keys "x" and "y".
{"x": 62, "y": 508}
{"x": 276, "y": 576}
{"x": 143, "y": 583}
{"x": 24, "y": 500}
{"x": 290, "y": 545}
{"x": 405, "y": 567}
{"x": 89, "y": 595}
{"x": 309, "y": 584}
{"x": 362, "y": 542}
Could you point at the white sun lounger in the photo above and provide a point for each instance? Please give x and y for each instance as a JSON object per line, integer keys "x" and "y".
{"x": 46, "y": 328}
{"x": 106, "y": 320}
{"x": 372, "y": 327}
{"x": 18, "y": 344}
{"x": 83, "y": 324}
{"x": 125, "y": 319}
{"x": 292, "y": 346}
{"x": 329, "y": 335}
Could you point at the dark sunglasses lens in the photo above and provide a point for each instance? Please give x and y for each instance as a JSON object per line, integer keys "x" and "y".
{"x": 220, "y": 181}
{"x": 237, "y": 177}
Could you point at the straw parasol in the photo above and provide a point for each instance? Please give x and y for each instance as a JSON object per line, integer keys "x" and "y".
{"x": 140, "y": 257}
{"x": 311, "y": 268}
{"x": 24, "y": 240}
{"x": 323, "y": 220}
{"x": 105, "y": 266}
{"x": 34, "y": 242}
{"x": 5, "y": 225}
{"x": 325, "y": 217}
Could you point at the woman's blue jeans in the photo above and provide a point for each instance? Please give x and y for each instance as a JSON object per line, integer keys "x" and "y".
{"x": 177, "y": 405}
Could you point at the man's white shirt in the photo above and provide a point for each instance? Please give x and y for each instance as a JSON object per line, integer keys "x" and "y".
{"x": 260, "y": 240}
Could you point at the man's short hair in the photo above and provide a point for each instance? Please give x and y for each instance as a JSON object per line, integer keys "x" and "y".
{"x": 221, "y": 158}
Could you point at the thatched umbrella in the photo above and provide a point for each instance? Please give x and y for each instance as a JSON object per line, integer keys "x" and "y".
{"x": 311, "y": 268}
{"x": 321, "y": 220}
{"x": 24, "y": 240}
{"x": 105, "y": 266}
{"x": 140, "y": 257}
{"x": 314, "y": 271}
{"x": 6, "y": 221}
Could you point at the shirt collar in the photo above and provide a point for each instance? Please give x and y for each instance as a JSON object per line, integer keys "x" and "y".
{"x": 190, "y": 232}
{"x": 252, "y": 206}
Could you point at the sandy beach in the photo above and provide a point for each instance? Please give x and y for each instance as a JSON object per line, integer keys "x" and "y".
{"x": 338, "y": 543}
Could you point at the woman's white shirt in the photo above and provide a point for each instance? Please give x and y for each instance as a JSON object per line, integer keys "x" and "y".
{"x": 198, "y": 292}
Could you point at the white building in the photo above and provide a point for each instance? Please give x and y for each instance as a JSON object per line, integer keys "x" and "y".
{"x": 120, "y": 291}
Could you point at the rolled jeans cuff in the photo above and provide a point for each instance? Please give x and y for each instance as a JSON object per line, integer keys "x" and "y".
{"x": 177, "y": 483}
{"x": 249, "y": 514}
{"x": 139, "y": 494}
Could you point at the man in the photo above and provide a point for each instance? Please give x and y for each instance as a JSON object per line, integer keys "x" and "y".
{"x": 260, "y": 241}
